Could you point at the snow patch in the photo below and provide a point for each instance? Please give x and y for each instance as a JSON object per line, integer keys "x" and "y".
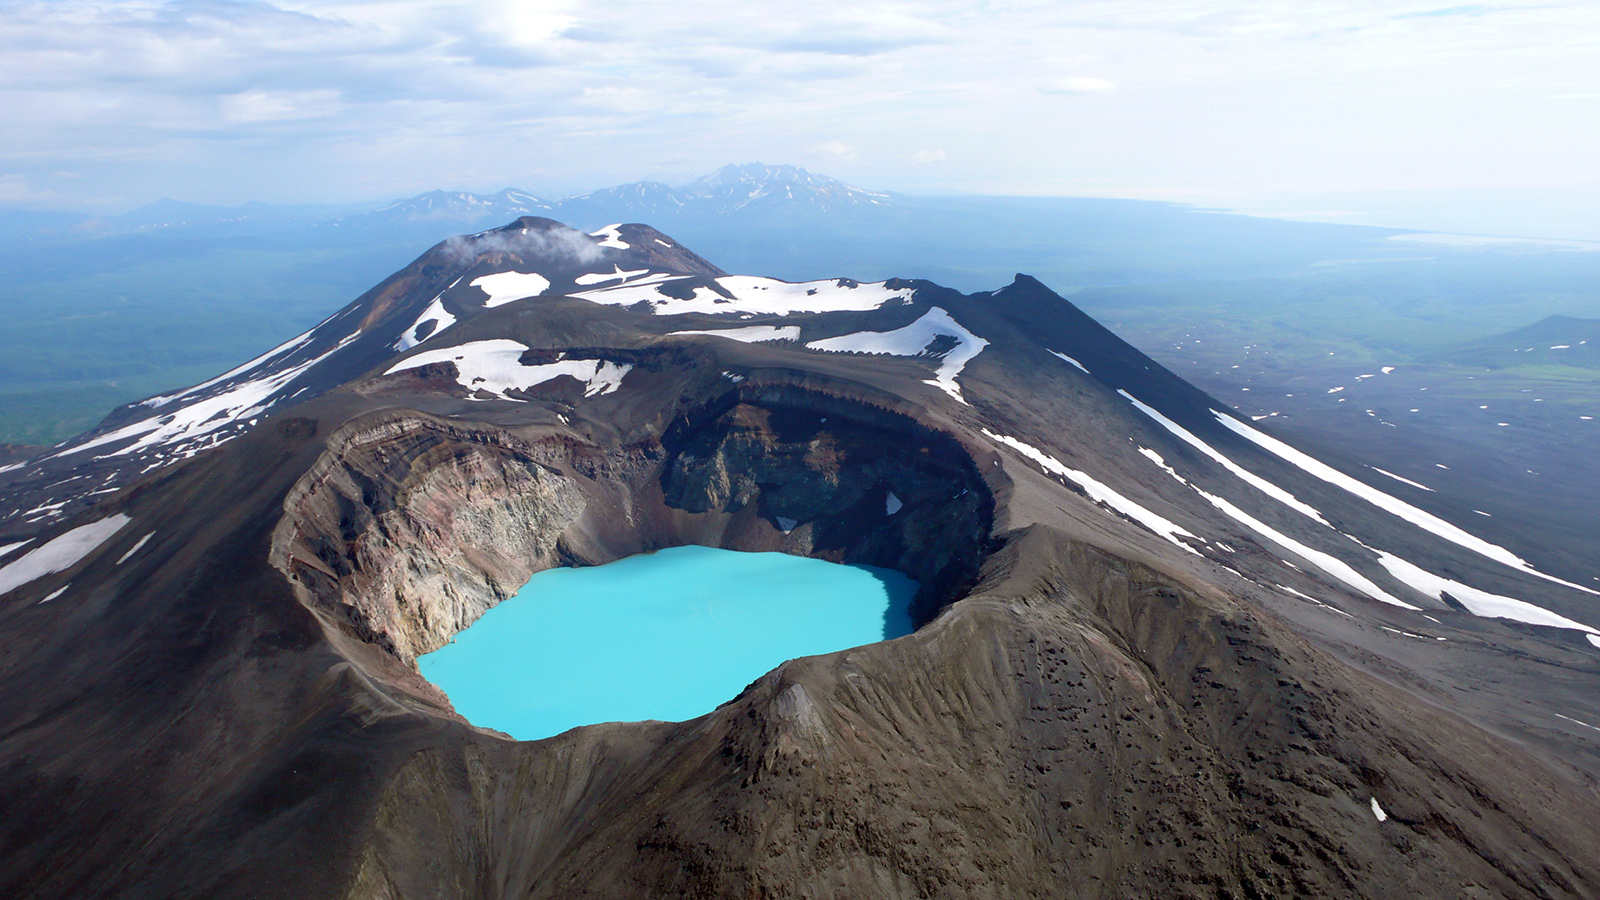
{"x": 786, "y": 525}
{"x": 435, "y": 313}
{"x": 504, "y": 287}
{"x": 1377, "y": 811}
{"x": 1593, "y": 639}
{"x": 753, "y": 334}
{"x": 55, "y": 593}
{"x": 493, "y": 366}
{"x": 60, "y": 553}
{"x": 1098, "y": 492}
{"x": 612, "y": 237}
{"x": 916, "y": 339}
{"x": 891, "y": 504}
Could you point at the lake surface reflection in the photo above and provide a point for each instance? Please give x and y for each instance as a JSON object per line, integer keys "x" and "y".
{"x": 666, "y": 635}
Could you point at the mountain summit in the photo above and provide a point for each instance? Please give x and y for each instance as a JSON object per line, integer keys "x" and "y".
{"x": 755, "y": 185}
{"x": 1158, "y": 651}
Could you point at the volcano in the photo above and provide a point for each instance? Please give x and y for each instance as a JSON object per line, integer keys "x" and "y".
{"x": 1158, "y": 650}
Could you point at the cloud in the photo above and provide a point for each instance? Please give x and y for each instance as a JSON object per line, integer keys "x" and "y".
{"x": 321, "y": 100}
{"x": 928, "y": 156}
{"x": 1448, "y": 11}
{"x": 560, "y": 243}
{"x": 14, "y": 190}
{"x": 1080, "y": 85}
{"x": 836, "y": 151}
{"x": 278, "y": 106}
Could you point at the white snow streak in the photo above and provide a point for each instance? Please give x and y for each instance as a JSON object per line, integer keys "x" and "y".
{"x": 1393, "y": 505}
{"x": 891, "y": 504}
{"x": 915, "y": 340}
{"x": 1250, "y": 478}
{"x": 1326, "y": 562}
{"x": 1479, "y": 602}
{"x": 136, "y": 548}
{"x": 280, "y": 350}
{"x": 10, "y": 547}
{"x": 1069, "y": 359}
{"x": 60, "y": 553}
{"x": 1378, "y": 810}
{"x": 1099, "y": 492}
{"x": 603, "y": 277}
{"x": 1400, "y": 479}
{"x": 754, "y": 334}
{"x": 1155, "y": 457}
{"x": 204, "y": 417}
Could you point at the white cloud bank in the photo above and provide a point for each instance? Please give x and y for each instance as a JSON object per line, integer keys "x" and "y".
{"x": 1178, "y": 99}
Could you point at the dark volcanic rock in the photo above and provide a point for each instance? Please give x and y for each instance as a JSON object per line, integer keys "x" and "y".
{"x": 1137, "y": 672}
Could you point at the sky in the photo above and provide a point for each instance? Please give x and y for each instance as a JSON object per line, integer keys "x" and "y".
{"x": 1483, "y": 119}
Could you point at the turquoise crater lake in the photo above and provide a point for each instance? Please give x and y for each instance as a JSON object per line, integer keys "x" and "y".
{"x": 668, "y": 635}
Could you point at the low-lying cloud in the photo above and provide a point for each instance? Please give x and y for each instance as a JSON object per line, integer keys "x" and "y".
{"x": 560, "y": 243}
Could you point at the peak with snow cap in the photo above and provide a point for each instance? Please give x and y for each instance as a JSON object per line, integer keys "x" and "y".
{"x": 757, "y": 186}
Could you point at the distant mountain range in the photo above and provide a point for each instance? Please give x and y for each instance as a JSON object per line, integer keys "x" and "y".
{"x": 731, "y": 189}
{"x": 749, "y": 188}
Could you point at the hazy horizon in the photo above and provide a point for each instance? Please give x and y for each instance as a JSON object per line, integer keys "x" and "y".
{"x": 1473, "y": 119}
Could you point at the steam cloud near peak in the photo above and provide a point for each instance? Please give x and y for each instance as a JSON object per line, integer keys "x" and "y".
{"x": 561, "y": 244}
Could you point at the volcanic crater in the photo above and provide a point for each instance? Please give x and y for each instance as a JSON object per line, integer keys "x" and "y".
{"x": 1155, "y": 656}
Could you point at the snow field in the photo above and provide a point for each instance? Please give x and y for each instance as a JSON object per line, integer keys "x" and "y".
{"x": 751, "y": 294}
{"x": 493, "y": 366}
{"x": 914, "y": 340}
{"x": 504, "y": 287}
{"x": 60, "y": 553}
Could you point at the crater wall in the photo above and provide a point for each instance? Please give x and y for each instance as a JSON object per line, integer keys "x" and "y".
{"x": 410, "y": 527}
